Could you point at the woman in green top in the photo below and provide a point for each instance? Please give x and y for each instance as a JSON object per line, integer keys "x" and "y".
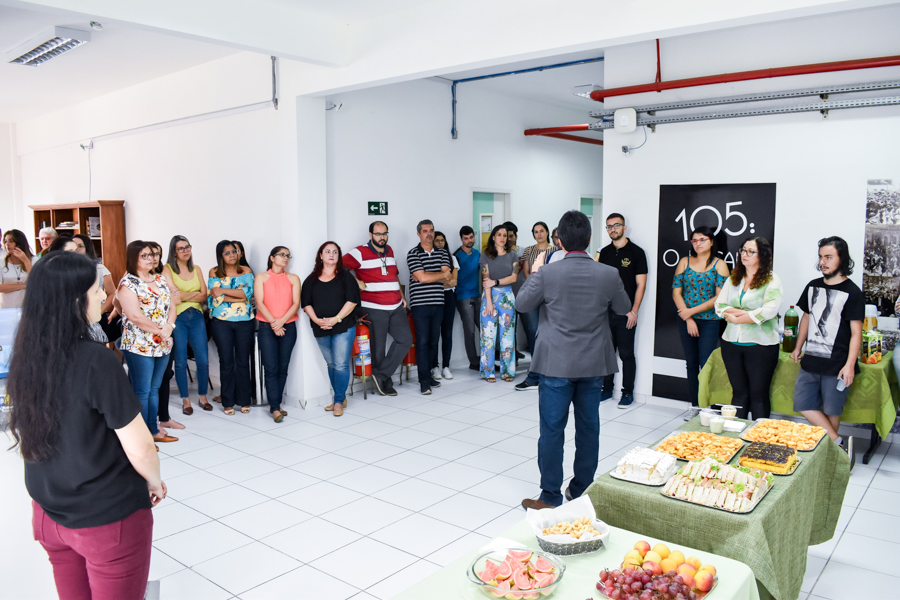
{"x": 183, "y": 274}
{"x": 750, "y": 301}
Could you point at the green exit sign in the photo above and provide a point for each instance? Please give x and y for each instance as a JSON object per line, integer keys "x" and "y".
{"x": 378, "y": 208}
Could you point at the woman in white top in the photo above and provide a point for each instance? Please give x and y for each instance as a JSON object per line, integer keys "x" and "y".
{"x": 16, "y": 266}
{"x": 750, "y": 301}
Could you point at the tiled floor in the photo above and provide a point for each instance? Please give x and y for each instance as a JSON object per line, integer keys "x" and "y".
{"x": 365, "y": 505}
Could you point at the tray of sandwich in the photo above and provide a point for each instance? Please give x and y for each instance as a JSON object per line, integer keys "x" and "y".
{"x": 714, "y": 484}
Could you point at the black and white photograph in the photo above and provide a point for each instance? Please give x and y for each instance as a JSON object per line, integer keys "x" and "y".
{"x": 825, "y": 307}
{"x": 881, "y": 272}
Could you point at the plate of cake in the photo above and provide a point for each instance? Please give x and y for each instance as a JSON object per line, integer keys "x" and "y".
{"x": 645, "y": 466}
{"x": 774, "y": 458}
{"x": 714, "y": 484}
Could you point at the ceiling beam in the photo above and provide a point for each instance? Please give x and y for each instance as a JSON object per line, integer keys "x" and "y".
{"x": 267, "y": 28}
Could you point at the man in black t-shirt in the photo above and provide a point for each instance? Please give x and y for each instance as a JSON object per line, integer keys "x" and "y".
{"x": 631, "y": 262}
{"x": 833, "y": 311}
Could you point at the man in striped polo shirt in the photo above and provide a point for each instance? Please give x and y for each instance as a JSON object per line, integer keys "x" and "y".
{"x": 375, "y": 266}
{"x": 429, "y": 268}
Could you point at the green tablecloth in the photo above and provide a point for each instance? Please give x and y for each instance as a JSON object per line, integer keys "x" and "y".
{"x": 800, "y": 510}
{"x": 874, "y": 395}
{"x": 581, "y": 576}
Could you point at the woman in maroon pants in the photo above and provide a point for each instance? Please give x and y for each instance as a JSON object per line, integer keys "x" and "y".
{"x": 90, "y": 463}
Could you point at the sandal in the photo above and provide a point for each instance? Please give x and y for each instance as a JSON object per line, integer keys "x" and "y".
{"x": 245, "y": 410}
{"x": 279, "y": 417}
{"x": 284, "y": 412}
{"x": 229, "y": 412}
{"x": 491, "y": 380}
{"x": 217, "y": 399}
{"x": 507, "y": 378}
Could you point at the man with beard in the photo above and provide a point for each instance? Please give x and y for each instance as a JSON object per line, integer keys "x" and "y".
{"x": 832, "y": 336}
{"x": 381, "y": 298}
{"x": 429, "y": 267}
{"x": 631, "y": 262}
{"x": 467, "y": 304}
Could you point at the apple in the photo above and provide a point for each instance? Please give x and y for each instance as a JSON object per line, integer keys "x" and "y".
{"x": 709, "y": 568}
{"x": 688, "y": 580}
{"x": 662, "y": 550}
{"x": 686, "y": 569}
{"x": 652, "y": 567}
{"x": 653, "y": 556}
{"x": 642, "y": 547}
{"x": 704, "y": 581}
{"x": 694, "y": 561}
{"x": 677, "y": 556}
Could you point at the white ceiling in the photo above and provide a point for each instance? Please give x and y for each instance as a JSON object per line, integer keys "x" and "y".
{"x": 348, "y": 11}
{"x": 116, "y": 58}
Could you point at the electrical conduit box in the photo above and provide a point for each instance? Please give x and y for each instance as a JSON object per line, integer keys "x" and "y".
{"x": 625, "y": 120}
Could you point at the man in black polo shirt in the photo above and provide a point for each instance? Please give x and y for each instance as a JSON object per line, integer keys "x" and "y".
{"x": 631, "y": 262}
{"x": 429, "y": 268}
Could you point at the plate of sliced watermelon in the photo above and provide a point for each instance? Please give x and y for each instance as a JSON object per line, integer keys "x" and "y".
{"x": 516, "y": 573}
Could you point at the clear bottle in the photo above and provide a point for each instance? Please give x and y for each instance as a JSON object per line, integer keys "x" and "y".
{"x": 791, "y": 328}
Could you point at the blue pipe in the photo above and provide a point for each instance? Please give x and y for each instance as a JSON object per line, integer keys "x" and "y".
{"x": 504, "y": 74}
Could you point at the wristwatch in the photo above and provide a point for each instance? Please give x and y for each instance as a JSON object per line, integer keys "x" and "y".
{"x": 497, "y": 282}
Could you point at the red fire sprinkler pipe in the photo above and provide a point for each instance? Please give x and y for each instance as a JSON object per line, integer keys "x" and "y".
{"x": 843, "y": 65}
{"x": 562, "y": 133}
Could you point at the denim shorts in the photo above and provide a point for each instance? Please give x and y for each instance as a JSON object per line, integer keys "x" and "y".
{"x": 819, "y": 392}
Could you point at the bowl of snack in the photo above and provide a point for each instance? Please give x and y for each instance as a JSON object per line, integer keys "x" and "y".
{"x": 516, "y": 573}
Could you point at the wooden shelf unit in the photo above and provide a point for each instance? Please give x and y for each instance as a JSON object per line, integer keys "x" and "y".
{"x": 109, "y": 246}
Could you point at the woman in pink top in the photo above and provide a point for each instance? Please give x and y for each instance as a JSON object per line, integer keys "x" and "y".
{"x": 277, "y": 294}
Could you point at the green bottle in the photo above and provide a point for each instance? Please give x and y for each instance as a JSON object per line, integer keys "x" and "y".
{"x": 791, "y": 327}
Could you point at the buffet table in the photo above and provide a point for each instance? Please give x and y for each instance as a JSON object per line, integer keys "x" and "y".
{"x": 799, "y": 511}
{"x": 581, "y": 576}
{"x": 874, "y": 395}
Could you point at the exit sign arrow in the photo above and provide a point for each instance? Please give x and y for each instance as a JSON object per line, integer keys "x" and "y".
{"x": 378, "y": 208}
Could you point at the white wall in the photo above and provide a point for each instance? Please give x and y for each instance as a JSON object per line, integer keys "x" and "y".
{"x": 7, "y": 202}
{"x": 393, "y": 144}
{"x": 820, "y": 166}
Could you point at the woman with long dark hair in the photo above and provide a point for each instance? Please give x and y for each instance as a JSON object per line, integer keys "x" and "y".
{"x": 90, "y": 463}
{"x": 446, "y": 337}
{"x": 277, "y": 300}
{"x": 750, "y": 301}
{"x": 190, "y": 326}
{"x": 85, "y": 245}
{"x": 331, "y": 290}
{"x": 499, "y": 269}
{"x": 230, "y": 292}
{"x": 17, "y": 265}
{"x": 699, "y": 278}
{"x": 147, "y": 333}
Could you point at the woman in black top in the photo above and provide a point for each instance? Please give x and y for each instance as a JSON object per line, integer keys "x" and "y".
{"x": 90, "y": 463}
{"x": 331, "y": 290}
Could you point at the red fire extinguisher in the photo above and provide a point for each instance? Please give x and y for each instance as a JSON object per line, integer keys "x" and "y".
{"x": 362, "y": 353}
{"x": 410, "y": 358}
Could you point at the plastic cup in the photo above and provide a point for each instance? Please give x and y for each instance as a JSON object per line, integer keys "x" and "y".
{"x": 717, "y": 424}
{"x": 729, "y": 412}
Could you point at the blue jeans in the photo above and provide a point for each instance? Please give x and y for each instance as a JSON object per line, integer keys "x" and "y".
{"x": 336, "y": 351}
{"x": 555, "y": 395}
{"x": 275, "y": 352}
{"x": 191, "y": 329}
{"x": 234, "y": 341}
{"x": 697, "y": 351}
{"x": 427, "y": 320}
{"x": 146, "y": 375}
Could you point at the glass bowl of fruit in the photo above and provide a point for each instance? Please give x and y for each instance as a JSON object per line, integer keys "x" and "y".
{"x": 516, "y": 573}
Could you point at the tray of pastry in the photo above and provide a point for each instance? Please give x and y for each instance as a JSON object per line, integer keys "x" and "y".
{"x": 697, "y": 445}
{"x": 798, "y": 436}
{"x": 772, "y": 458}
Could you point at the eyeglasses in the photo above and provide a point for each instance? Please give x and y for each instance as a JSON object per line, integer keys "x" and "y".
{"x": 146, "y": 256}
{"x": 230, "y": 253}
{"x": 615, "y": 226}
{"x": 699, "y": 240}
{"x": 283, "y": 255}
{"x": 385, "y": 234}
{"x": 183, "y": 248}
{"x": 746, "y": 252}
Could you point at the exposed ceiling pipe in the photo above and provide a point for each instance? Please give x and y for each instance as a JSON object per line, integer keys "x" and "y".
{"x": 561, "y": 133}
{"x": 844, "y": 65}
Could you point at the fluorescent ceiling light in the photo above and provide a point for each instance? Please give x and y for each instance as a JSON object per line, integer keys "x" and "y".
{"x": 51, "y": 43}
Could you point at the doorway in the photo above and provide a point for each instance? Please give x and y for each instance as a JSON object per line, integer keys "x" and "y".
{"x": 592, "y": 206}
{"x": 489, "y": 209}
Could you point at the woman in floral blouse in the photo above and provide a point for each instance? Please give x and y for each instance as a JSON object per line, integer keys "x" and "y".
{"x": 230, "y": 293}
{"x": 148, "y": 323}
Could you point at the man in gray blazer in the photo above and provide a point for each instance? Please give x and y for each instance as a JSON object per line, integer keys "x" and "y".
{"x": 573, "y": 353}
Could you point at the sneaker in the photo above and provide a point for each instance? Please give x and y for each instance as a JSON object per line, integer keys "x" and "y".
{"x": 378, "y": 385}
{"x": 526, "y": 386}
{"x": 388, "y": 386}
{"x": 626, "y": 400}
{"x": 447, "y": 374}
{"x": 435, "y": 383}
{"x": 425, "y": 389}
{"x": 604, "y": 396}
{"x": 848, "y": 448}
{"x": 436, "y": 373}
{"x": 691, "y": 413}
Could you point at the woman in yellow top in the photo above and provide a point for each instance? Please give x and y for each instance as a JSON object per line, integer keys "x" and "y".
{"x": 181, "y": 273}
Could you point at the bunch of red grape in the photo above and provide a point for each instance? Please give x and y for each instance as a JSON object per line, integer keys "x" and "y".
{"x": 638, "y": 584}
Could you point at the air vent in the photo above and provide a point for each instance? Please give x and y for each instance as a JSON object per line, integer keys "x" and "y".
{"x": 48, "y": 45}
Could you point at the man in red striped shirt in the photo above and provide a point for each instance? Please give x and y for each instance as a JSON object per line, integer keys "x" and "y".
{"x": 381, "y": 297}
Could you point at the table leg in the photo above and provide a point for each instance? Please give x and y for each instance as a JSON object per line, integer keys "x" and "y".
{"x": 874, "y": 442}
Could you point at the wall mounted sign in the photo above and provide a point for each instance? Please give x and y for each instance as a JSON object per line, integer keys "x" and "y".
{"x": 378, "y": 208}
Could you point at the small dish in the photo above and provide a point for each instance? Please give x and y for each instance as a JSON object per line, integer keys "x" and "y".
{"x": 498, "y": 556}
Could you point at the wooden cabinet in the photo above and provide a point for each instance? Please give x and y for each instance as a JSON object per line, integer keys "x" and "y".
{"x": 77, "y": 218}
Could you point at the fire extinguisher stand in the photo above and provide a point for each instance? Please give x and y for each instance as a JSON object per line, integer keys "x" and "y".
{"x": 410, "y": 359}
{"x": 361, "y": 356}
